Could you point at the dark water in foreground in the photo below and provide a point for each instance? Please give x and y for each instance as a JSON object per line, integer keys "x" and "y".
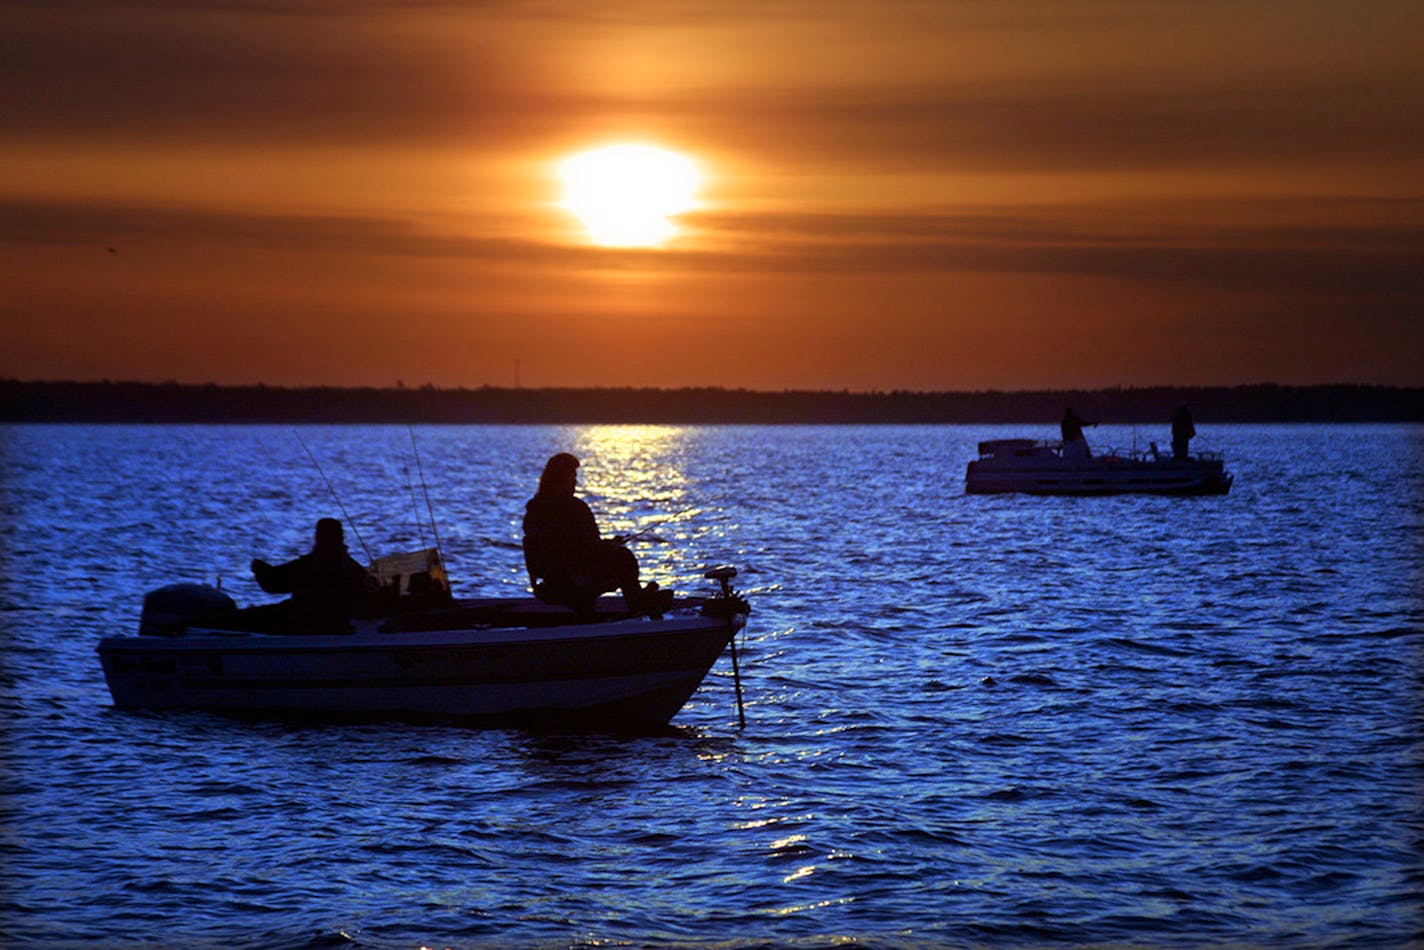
{"x": 972, "y": 721}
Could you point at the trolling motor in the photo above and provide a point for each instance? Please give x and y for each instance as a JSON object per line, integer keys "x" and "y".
{"x": 728, "y": 605}
{"x": 729, "y": 602}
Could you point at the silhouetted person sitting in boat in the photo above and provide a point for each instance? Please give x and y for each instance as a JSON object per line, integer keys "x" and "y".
{"x": 1075, "y": 446}
{"x": 1182, "y": 431}
{"x": 569, "y": 562}
{"x": 326, "y": 584}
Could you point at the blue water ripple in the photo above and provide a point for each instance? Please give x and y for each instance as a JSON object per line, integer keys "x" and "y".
{"x": 972, "y": 721}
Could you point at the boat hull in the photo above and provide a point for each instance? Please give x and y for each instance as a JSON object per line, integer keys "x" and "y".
{"x": 1026, "y": 467}
{"x": 1121, "y": 480}
{"x": 636, "y": 671}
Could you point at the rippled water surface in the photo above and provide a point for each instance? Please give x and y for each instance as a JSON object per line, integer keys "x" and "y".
{"x": 971, "y": 720}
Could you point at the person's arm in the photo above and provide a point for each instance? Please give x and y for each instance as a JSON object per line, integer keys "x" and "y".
{"x": 273, "y": 580}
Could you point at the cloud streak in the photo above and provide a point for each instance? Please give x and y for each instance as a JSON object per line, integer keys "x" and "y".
{"x": 1367, "y": 259}
{"x": 352, "y": 73}
{"x": 949, "y": 170}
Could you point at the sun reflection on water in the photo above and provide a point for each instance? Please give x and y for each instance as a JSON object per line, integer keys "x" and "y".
{"x": 634, "y": 478}
{"x": 633, "y": 472}
{"x": 799, "y": 873}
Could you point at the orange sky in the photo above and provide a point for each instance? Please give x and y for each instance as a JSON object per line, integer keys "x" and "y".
{"x": 950, "y": 194}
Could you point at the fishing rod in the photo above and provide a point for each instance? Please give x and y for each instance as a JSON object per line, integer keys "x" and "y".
{"x": 330, "y": 488}
{"x": 430, "y": 509}
{"x": 414, "y": 507}
{"x": 659, "y": 523}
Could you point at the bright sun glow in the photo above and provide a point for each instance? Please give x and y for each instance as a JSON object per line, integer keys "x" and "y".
{"x": 628, "y": 195}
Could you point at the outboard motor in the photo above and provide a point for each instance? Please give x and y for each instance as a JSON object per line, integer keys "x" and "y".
{"x": 168, "y": 611}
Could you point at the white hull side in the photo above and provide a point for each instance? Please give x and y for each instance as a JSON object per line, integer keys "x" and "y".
{"x": 1097, "y": 480}
{"x": 635, "y": 670}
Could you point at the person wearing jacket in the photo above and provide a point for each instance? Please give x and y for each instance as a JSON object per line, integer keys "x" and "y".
{"x": 326, "y": 585}
{"x": 569, "y": 561}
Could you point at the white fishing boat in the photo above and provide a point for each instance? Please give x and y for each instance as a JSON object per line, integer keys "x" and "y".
{"x": 1043, "y": 468}
{"x": 504, "y": 659}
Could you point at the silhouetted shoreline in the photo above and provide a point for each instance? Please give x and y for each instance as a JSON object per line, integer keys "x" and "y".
{"x": 129, "y": 402}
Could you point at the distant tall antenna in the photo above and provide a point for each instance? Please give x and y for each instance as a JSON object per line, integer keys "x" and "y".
{"x": 516, "y": 373}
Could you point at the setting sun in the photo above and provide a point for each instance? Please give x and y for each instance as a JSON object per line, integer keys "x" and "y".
{"x": 628, "y": 195}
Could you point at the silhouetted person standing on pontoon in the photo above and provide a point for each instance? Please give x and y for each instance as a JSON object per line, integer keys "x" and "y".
{"x": 326, "y": 584}
{"x": 1074, "y": 444}
{"x": 569, "y": 562}
{"x": 1182, "y": 431}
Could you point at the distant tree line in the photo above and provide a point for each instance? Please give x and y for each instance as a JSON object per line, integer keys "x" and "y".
{"x": 129, "y": 402}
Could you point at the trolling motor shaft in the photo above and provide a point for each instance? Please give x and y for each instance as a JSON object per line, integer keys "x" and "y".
{"x": 731, "y": 603}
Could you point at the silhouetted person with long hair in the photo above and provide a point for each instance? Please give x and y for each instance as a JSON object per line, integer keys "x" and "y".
{"x": 1182, "y": 431}
{"x": 569, "y": 562}
{"x": 326, "y": 584}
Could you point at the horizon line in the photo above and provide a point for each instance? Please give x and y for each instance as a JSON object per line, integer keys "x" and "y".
{"x": 486, "y": 387}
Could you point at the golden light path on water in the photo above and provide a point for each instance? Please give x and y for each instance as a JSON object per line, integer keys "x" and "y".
{"x": 635, "y": 480}
{"x": 633, "y": 472}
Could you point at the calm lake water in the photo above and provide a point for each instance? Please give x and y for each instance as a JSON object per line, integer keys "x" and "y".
{"x": 972, "y": 721}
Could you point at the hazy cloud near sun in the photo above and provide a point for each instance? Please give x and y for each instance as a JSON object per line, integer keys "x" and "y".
{"x": 1301, "y": 259}
{"x": 1090, "y": 127}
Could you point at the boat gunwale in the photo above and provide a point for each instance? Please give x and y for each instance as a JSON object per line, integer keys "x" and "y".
{"x": 216, "y": 639}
